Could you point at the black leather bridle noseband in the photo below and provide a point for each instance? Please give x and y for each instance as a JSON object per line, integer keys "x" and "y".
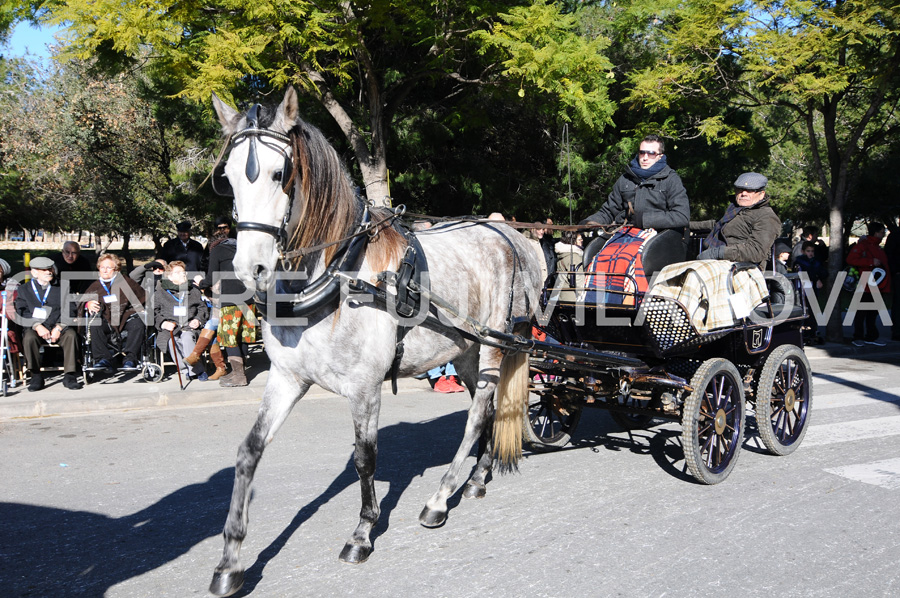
{"x": 252, "y": 132}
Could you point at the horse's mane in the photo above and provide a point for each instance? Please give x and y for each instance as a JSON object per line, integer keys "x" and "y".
{"x": 328, "y": 205}
{"x": 329, "y": 209}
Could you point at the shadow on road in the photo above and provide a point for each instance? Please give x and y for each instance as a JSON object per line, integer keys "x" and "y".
{"x": 47, "y": 551}
{"x": 57, "y": 552}
{"x": 405, "y": 451}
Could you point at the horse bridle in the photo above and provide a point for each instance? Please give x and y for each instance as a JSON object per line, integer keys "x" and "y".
{"x": 251, "y": 171}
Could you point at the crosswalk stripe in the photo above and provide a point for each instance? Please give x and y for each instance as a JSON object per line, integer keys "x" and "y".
{"x": 843, "y": 378}
{"x": 879, "y": 473}
{"x": 878, "y": 427}
{"x": 855, "y": 398}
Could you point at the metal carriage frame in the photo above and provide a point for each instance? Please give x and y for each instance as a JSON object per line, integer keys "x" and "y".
{"x": 650, "y": 363}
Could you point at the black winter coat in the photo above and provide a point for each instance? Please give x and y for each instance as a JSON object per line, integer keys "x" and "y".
{"x": 221, "y": 268}
{"x": 659, "y": 202}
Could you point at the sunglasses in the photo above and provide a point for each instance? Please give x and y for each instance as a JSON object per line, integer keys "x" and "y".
{"x": 648, "y": 153}
{"x": 222, "y": 227}
{"x": 750, "y": 190}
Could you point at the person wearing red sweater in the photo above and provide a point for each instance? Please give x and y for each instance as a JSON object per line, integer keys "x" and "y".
{"x": 868, "y": 256}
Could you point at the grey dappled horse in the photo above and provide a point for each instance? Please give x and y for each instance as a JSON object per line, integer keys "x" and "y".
{"x": 291, "y": 192}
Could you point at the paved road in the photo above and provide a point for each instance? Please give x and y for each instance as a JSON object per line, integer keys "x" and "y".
{"x": 131, "y": 504}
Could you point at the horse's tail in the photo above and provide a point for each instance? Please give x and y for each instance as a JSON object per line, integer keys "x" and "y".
{"x": 512, "y": 396}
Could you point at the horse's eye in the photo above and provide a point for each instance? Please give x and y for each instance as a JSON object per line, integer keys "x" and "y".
{"x": 278, "y": 175}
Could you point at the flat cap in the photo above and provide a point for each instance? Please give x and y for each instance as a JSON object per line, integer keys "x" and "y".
{"x": 183, "y": 227}
{"x": 42, "y": 263}
{"x": 751, "y": 181}
{"x": 781, "y": 248}
{"x": 154, "y": 265}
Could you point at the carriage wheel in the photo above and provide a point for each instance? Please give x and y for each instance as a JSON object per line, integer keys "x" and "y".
{"x": 713, "y": 421}
{"x": 548, "y": 422}
{"x": 783, "y": 399}
{"x": 635, "y": 421}
{"x": 152, "y": 372}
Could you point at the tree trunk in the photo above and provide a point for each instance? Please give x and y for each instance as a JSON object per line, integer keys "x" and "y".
{"x": 835, "y": 328}
{"x": 126, "y": 252}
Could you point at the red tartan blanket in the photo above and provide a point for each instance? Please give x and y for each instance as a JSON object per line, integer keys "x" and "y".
{"x": 618, "y": 268}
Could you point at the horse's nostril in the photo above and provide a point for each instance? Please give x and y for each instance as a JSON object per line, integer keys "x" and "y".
{"x": 259, "y": 272}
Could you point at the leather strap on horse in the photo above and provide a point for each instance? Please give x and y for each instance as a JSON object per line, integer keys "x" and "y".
{"x": 409, "y": 300}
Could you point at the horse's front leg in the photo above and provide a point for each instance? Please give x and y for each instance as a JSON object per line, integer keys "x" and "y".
{"x": 365, "y": 454}
{"x": 280, "y": 395}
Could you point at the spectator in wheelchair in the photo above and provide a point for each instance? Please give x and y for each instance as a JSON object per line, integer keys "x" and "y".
{"x": 649, "y": 194}
{"x": 179, "y": 315}
{"x": 749, "y": 227}
{"x": 73, "y": 267}
{"x": 115, "y": 306}
{"x": 39, "y": 312}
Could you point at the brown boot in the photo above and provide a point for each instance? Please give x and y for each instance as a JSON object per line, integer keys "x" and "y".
{"x": 206, "y": 337}
{"x": 236, "y": 377}
{"x": 215, "y": 353}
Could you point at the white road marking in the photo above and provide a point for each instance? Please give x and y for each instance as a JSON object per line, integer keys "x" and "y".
{"x": 855, "y": 398}
{"x": 844, "y": 378}
{"x": 878, "y": 427}
{"x": 878, "y": 473}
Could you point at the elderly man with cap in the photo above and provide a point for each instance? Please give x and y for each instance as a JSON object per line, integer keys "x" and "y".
{"x": 73, "y": 267}
{"x": 39, "y": 312}
{"x": 184, "y": 249}
{"x": 749, "y": 227}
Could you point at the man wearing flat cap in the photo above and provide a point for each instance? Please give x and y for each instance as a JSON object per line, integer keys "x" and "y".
{"x": 183, "y": 248}
{"x": 39, "y": 312}
{"x": 747, "y": 230}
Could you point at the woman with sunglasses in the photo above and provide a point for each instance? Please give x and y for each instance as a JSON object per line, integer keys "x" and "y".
{"x": 649, "y": 194}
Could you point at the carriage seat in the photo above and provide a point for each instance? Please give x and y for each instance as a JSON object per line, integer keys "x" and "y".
{"x": 619, "y": 268}
{"x": 663, "y": 249}
{"x": 785, "y": 299}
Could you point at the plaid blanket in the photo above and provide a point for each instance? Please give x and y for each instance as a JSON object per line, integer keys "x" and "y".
{"x": 702, "y": 287}
{"x": 618, "y": 267}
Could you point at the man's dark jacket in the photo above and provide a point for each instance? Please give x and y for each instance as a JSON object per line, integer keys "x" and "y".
{"x": 192, "y": 255}
{"x": 27, "y": 301}
{"x": 659, "y": 202}
{"x": 749, "y": 236}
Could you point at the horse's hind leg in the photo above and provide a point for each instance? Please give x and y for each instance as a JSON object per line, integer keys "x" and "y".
{"x": 365, "y": 423}
{"x": 480, "y": 414}
{"x": 467, "y": 367}
{"x": 279, "y": 397}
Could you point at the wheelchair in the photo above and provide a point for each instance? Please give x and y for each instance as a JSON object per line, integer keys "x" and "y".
{"x": 149, "y": 360}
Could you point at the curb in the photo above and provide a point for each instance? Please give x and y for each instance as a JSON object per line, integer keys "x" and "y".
{"x": 53, "y": 402}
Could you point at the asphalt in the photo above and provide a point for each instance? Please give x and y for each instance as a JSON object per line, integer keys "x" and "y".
{"x": 130, "y": 392}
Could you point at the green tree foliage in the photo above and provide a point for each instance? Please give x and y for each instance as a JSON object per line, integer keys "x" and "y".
{"x": 832, "y": 64}
{"x": 361, "y": 61}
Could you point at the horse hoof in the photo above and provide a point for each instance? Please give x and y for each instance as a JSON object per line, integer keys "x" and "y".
{"x": 355, "y": 554}
{"x": 432, "y": 518}
{"x": 226, "y": 583}
{"x": 474, "y": 491}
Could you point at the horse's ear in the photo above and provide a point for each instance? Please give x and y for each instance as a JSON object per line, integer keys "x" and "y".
{"x": 228, "y": 116}
{"x": 288, "y": 111}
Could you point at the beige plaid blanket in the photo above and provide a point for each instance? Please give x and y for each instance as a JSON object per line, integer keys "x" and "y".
{"x": 702, "y": 287}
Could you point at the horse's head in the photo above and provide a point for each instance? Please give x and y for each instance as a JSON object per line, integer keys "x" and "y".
{"x": 260, "y": 173}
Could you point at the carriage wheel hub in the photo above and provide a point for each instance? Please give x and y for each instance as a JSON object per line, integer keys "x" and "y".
{"x": 790, "y": 397}
{"x": 720, "y": 421}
